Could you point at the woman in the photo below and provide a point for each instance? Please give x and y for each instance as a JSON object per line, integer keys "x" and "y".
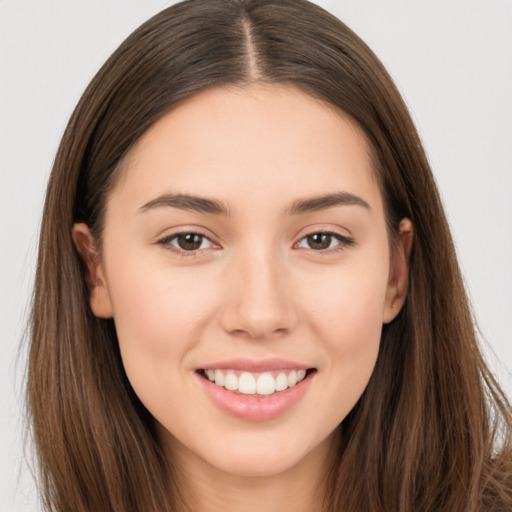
{"x": 239, "y": 302}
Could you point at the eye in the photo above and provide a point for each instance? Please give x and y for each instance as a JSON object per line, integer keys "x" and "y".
{"x": 324, "y": 241}
{"x": 186, "y": 242}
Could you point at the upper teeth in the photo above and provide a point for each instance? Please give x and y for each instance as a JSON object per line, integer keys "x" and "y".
{"x": 249, "y": 383}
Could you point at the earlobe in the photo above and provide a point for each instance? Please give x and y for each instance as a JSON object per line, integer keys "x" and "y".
{"x": 399, "y": 272}
{"x": 99, "y": 297}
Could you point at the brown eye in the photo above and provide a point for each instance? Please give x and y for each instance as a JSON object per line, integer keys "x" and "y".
{"x": 324, "y": 241}
{"x": 187, "y": 242}
{"x": 319, "y": 241}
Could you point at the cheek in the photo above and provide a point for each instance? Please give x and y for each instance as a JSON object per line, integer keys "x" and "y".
{"x": 158, "y": 316}
{"x": 346, "y": 313}
{"x": 349, "y": 303}
{"x": 155, "y": 303}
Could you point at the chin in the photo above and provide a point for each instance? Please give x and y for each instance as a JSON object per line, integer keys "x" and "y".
{"x": 257, "y": 455}
{"x": 257, "y": 464}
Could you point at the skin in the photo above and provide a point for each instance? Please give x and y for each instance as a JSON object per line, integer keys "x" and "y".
{"x": 255, "y": 289}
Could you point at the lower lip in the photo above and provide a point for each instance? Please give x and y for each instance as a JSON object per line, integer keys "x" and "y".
{"x": 256, "y": 408}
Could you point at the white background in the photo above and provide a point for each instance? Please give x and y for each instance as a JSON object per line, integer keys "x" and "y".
{"x": 452, "y": 60}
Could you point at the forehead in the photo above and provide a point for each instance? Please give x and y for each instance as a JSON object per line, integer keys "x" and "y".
{"x": 258, "y": 143}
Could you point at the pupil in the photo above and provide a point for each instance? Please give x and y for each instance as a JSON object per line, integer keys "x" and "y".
{"x": 189, "y": 241}
{"x": 319, "y": 241}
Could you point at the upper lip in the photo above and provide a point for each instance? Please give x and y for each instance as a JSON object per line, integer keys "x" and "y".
{"x": 256, "y": 365}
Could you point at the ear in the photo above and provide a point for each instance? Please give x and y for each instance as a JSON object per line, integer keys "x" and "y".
{"x": 99, "y": 296}
{"x": 399, "y": 271}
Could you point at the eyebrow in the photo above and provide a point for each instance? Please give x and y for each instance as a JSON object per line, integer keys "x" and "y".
{"x": 323, "y": 202}
{"x": 212, "y": 206}
{"x": 187, "y": 202}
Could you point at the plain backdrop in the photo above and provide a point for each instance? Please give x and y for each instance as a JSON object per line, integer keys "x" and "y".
{"x": 452, "y": 60}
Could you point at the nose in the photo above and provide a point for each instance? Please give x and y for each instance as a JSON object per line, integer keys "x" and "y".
{"x": 259, "y": 297}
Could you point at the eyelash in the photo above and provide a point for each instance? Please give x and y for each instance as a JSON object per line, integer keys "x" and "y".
{"x": 344, "y": 241}
{"x": 166, "y": 242}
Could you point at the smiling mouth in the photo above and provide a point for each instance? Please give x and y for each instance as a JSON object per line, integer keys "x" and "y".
{"x": 256, "y": 384}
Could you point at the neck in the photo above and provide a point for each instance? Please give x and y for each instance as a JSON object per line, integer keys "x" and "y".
{"x": 300, "y": 488}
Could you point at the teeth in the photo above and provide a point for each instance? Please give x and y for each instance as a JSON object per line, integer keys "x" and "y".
{"x": 219, "y": 378}
{"x": 265, "y": 385}
{"x": 281, "y": 382}
{"x": 231, "y": 382}
{"x": 247, "y": 383}
{"x": 292, "y": 378}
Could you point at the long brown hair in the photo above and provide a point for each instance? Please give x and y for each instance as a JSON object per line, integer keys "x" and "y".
{"x": 432, "y": 431}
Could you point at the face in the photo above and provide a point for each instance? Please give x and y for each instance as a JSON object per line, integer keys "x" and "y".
{"x": 246, "y": 263}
